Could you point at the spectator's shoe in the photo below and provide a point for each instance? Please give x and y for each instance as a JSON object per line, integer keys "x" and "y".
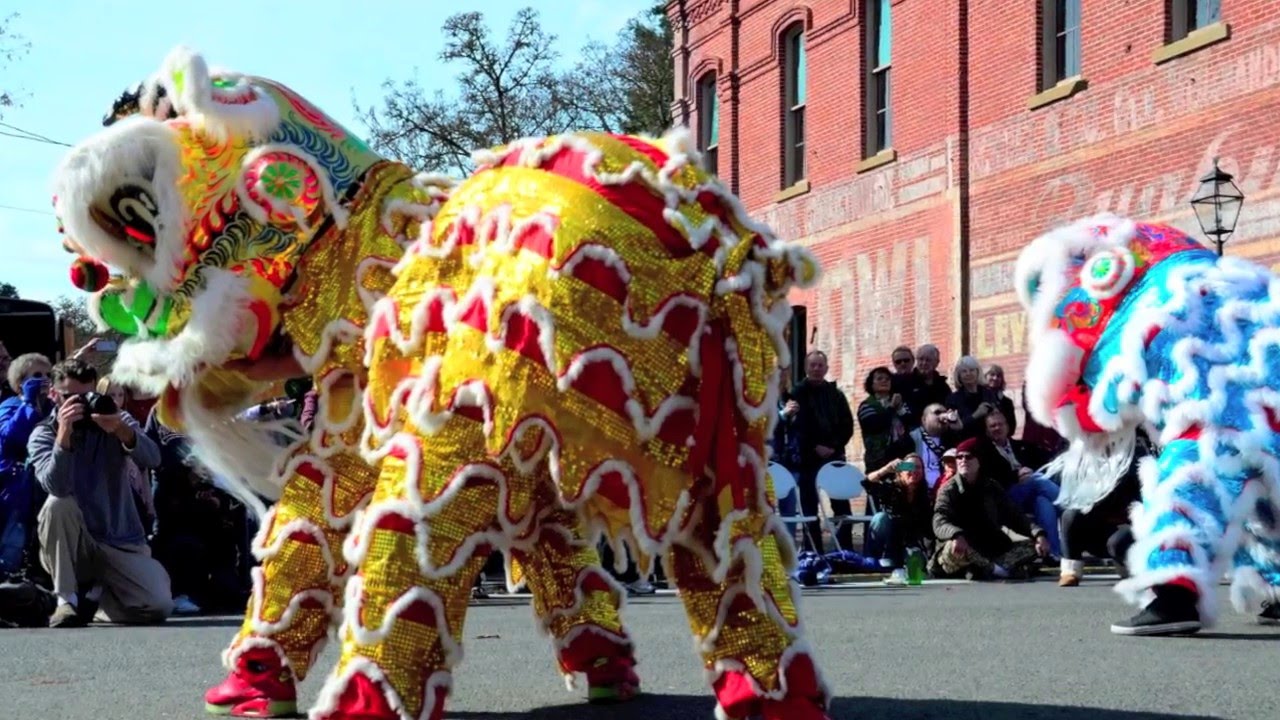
{"x": 1270, "y": 614}
{"x": 641, "y": 587}
{"x": 68, "y": 616}
{"x": 897, "y": 577}
{"x": 182, "y": 605}
{"x": 1173, "y": 612}
{"x": 260, "y": 686}
{"x": 1070, "y": 572}
{"x": 612, "y": 680}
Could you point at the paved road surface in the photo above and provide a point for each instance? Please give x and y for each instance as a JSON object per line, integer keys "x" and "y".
{"x": 939, "y": 652}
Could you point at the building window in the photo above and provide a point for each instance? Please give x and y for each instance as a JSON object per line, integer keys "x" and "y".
{"x": 1059, "y": 42}
{"x": 793, "y": 93}
{"x": 878, "y": 118}
{"x": 1187, "y": 16}
{"x": 709, "y": 122}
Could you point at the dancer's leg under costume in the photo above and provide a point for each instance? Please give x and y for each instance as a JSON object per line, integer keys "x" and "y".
{"x": 404, "y": 625}
{"x": 297, "y": 589}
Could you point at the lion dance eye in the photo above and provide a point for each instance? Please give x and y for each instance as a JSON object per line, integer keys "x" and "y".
{"x": 1107, "y": 273}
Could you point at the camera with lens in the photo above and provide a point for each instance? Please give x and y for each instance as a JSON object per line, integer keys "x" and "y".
{"x": 95, "y": 404}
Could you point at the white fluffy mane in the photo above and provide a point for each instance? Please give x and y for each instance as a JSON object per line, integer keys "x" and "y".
{"x": 136, "y": 150}
{"x": 1054, "y": 361}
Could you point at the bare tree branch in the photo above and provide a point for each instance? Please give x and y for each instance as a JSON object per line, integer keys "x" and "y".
{"x": 12, "y": 47}
{"x": 511, "y": 88}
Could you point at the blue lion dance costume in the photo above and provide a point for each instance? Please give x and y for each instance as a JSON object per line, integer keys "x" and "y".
{"x": 1134, "y": 325}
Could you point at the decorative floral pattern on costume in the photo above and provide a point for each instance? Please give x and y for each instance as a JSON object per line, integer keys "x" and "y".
{"x": 1184, "y": 349}
{"x": 583, "y": 337}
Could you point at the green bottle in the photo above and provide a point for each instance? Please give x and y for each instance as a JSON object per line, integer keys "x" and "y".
{"x": 915, "y": 567}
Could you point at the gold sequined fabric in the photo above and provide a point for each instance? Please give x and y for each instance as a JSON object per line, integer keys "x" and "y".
{"x": 548, "y": 332}
{"x": 298, "y": 590}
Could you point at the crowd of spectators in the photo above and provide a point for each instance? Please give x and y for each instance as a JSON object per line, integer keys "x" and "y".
{"x": 116, "y": 520}
{"x": 945, "y": 473}
{"x": 103, "y": 506}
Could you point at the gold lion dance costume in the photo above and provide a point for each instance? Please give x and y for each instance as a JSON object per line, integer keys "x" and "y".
{"x": 583, "y": 337}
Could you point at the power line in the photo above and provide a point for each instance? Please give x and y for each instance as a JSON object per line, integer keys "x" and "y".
{"x": 33, "y": 134}
{"x": 23, "y": 134}
{"x": 33, "y": 211}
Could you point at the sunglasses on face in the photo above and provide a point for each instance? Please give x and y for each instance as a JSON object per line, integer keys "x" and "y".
{"x": 964, "y": 456}
{"x": 902, "y": 361}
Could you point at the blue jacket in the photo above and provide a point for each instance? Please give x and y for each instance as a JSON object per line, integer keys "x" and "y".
{"x": 18, "y": 419}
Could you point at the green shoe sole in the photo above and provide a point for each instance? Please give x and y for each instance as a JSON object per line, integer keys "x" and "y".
{"x": 275, "y": 708}
{"x": 609, "y": 695}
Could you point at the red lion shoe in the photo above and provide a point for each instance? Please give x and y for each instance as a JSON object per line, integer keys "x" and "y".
{"x": 612, "y": 680}
{"x": 260, "y": 686}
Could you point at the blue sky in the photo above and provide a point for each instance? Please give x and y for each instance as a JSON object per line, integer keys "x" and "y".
{"x": 85, "y": 52}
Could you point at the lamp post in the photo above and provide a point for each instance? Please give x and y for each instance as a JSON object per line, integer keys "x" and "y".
{"x": 1217, "y": 204}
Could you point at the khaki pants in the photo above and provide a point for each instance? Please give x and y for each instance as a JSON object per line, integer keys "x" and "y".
{"x": 135, "y": 587}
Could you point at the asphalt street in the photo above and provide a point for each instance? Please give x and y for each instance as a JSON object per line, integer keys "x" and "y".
{"x": 1026, "y": 651}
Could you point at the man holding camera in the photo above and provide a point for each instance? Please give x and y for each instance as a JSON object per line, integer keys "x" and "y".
{"x": 91, "y": 538}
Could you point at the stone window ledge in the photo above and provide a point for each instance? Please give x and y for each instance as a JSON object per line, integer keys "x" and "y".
{"x": 800, "y": 188}
{"x": 884, "y": 157}
{"x": 1061, "y": 91}
{"x": 1196, "y": 39}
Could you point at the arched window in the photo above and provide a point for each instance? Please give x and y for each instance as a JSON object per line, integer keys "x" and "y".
{"x": 709, "y": 122}
{"x": 794, "y": 77}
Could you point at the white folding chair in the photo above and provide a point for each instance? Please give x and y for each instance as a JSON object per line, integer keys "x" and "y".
{"x": 784, "y": 483}
{"x": 841, "y": 481}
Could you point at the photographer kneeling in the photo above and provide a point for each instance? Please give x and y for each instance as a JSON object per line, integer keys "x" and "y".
{"x": 91, "y": 538}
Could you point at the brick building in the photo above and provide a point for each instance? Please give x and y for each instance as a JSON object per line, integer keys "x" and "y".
{"x": 1002, "y": 119}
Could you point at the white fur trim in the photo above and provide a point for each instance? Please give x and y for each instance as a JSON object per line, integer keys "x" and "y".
{"x": 220, "y": 321}
{"x": 188, "y": 82}
{"x": 137, "y": 150}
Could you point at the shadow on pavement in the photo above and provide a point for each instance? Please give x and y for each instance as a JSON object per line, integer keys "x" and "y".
{"x": 683, "y": 707}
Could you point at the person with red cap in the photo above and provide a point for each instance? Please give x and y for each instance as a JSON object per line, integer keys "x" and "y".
{"x": 969, "y": 521}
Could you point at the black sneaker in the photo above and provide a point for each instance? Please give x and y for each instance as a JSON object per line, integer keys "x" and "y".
{"x": 1270, "y": 614}
{"x": 1173, "y": 612}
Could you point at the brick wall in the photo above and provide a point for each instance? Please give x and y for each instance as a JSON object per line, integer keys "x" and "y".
{"x": 1135, "y": 141}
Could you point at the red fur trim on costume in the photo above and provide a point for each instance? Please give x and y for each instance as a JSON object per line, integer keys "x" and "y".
{"x": 804, "y": 701}
{"x": 717, "y": 437}
{"x": 362, "y": 699}
{"x": 1185, "y": 582}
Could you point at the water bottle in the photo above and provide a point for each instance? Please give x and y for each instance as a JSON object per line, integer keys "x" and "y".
{"x": 915, "y": 567}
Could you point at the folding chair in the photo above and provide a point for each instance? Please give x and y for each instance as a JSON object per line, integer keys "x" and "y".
{"x": 841, "y": 481}
{"x": 784, "y": 483}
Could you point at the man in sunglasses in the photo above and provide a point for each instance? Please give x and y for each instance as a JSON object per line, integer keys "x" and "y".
{"x": 969, "y": 522}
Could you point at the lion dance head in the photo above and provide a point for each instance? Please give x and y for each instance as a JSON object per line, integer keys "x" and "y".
{"x": 190, "y": 215}
{"x": 203, "y": 191}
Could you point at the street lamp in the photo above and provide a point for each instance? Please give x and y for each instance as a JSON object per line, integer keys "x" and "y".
{"x": 1217, "y": 205}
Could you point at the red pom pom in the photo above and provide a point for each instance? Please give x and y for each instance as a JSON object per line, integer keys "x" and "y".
{"x": 89, "y": 275}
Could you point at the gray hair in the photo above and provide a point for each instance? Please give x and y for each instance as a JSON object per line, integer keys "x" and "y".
{"x": 968, "y": 362}
{"x": 24, "y": 365}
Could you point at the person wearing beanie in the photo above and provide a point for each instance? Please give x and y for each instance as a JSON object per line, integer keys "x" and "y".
{"x": 969, "y": 521}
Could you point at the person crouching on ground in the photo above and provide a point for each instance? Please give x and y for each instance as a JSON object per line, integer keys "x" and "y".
{"x": 969, "y": 522}
{"x": 91, "y": 538}
{"x": 904, "y": 517}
